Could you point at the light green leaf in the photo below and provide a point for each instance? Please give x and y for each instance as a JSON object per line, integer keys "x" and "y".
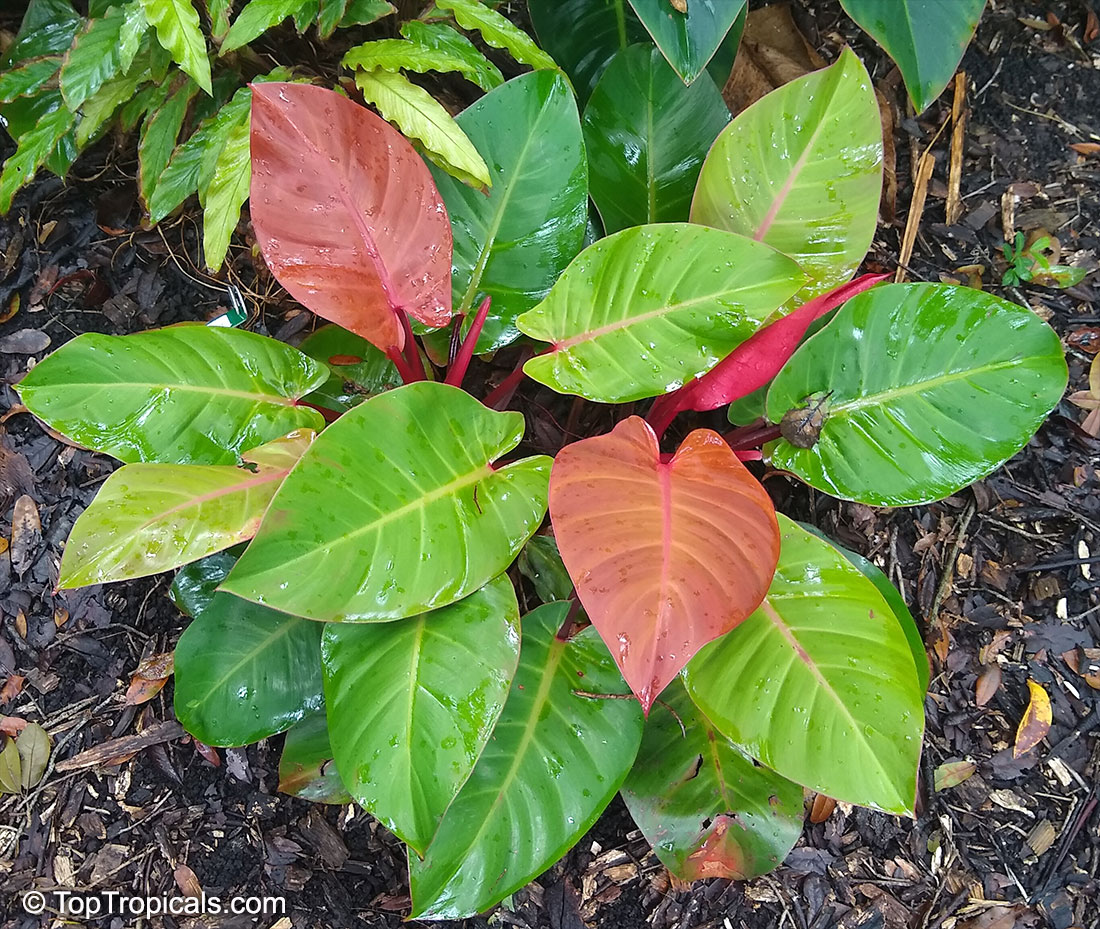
{"x": 178, "y": 31}
{"x": 819, "y": 683}
{"x": 33, "y": 745}
{"x": 643, "y": 311}
{"x": 426, "y": 47}
{"x": 553, "y": 763}
{"x": 32, "y": 150}
{"x": 11, "y": 776}
{"x": 99, "y": 109}
{"x": 25, "y": 80}
{"x": 134, "y": 27}
{"x": 255, "y": 19}
{"x": 226, "y": 194}
{"x": 149, "y": 518}
{"x": 801, "y": 169}
{"x": 706, "y": 808}
{"x": 185, "y": 395}
{"x": 417, "y": 114}
{"x": 159, "y": 133}
{"x": 647, "y": 136}
{"x": 497, "y": 31}
{"x": 513, "y": 243}
{"x": 306, "y": 768}
{"x": 926, "y": 39}
{"x": 925, "y": 387}
{"x": 244, "y": 672}
{"x": 218, "y": 11}
{"x": 419, "y": 518}
{"x": 411, "y": 704}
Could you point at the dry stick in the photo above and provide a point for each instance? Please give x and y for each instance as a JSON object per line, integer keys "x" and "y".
{"x": 949, "y": 567}
{"x": 925, "y": 164}
{"x": 958, "y": 136}
{"x": 126, "y": 745}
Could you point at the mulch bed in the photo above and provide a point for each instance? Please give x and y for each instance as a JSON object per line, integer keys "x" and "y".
{"x": 1002, "y": 577}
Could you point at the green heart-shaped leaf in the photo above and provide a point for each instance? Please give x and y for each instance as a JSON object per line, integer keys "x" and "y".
{"x": 553, "y": 763}
{"x": 643, "y": 311}
{"x": 927, "y": 40}
{"x": 411, "y": 704}
{"x": 688, "y": 39}
{"x": 244, "y": 672}
{"x": 402, "y": 494}
{"x": 149, "y": 518}
{"x": 924, "y": 388}
{"x": 184, "y": 395}
{"x": 819, "y": 683}
{"x": 647, "y": 136}
{"x": 706, "y": 808}
{"x": 513, "y": 243}
{"x": 801, "y": 169}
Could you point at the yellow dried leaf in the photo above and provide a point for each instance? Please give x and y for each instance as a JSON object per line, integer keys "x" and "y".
{"x": 1036, "y": 722}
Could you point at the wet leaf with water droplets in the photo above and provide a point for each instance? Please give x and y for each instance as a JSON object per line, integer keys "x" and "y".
{"x": 819, "y": 683}
{"x": 442, "y": 677}
{"x": 666, "y": 556}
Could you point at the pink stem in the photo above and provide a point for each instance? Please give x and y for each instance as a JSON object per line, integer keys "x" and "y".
{"x": 412, "y": 352}
{"x": 751, "y": 436}
{"x": 502, "y": 393}
{"x": 457, "y": 371}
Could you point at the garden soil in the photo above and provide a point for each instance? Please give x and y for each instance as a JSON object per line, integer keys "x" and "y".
{"x": 1002, "y": 577}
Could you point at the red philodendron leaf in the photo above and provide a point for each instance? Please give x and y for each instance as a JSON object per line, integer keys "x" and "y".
{"x": 665, "y": 555}
{"x": 346, "y": 213}
{"x": 757, "y": 360}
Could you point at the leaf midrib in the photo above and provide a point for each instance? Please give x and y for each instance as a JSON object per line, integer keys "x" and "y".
{"x": 276, "y": 399}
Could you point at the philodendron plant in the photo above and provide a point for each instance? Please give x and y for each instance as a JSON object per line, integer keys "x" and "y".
{"x": 346, "y": 519}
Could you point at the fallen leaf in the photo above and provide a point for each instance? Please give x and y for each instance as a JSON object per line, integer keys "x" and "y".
{"x": 10, "y": 779}
{"x": 209, "y": 753}
{"x": 12, "y": 725}
{"x": 1086, "y": 148}
{"x": 1090, "y": 399}
{"x": 33, "y": 744}
{"x": 773, "y": 51}
{"x": 26, "y": 533}
{"x": 13, "y": 686}
{"x": 1036, "y": 721}
{"x": 989, "y": 682}
{"x": 24, "y": 342}
{"x": 822, "y": 808}
{"x": 149, "y": 678}
{"x": 187, "y": 881}
{"x": 952, "y": 773}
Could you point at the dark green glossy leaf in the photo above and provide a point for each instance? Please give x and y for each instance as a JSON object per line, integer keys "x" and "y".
{"x": 329, "y": 15}
{"x": 185, "y": 395}
{"x": 749, "y": 408}
{"x": 514, "y": 243}
{"x": 357, "y": 370}
{"x": 688, "y": 40}
{"x": 643, "y": 311}
{"x": 98, "y": 110}
{"x": 244, "y": 672}
{"x": 930, "y": 387}
{"x": 195, "y": 584}
{"x": 704, "y": 806}
{"x": 540, "y": 562}
{"x": 583, "y": 36}
{"x": 411, "y": 704}
{"x": 819, "y": 683}
{"x": 417, "y": 515}
{"x": 306, "y": 768}
{"x": 647, "y": 136}
{"x": 553, "y": 763}
{"x": 28, "y": 78}
{"x": 801, "y": 169}
{"x": 48, "y": 28}
{"x": 892, "y": 596}
{"x": 721, "y": 65}
{"x": 99, "y": 53}
{"x": 926, "y": 38}
{"x": 33, "y": 148}
{"x": 25, "y": 114}
{"x": 365, "y": 12}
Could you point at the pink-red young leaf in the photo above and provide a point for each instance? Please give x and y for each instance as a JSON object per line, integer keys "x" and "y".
{"x": 757, "y": 360}
{"x": 346, "y": 213}
{"x": 665, "y": 555}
